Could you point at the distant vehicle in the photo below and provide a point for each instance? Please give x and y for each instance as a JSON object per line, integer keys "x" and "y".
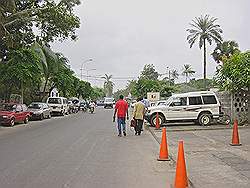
{"x": 109, "y": 102}
{"x": 200, "y": 107}
{"x": 10, "y": 113}
{"x": 100, "y": 103}
{"x": 83, "y": 106}
{"x": 58, "y": 105}
{"x": 39, "y": 110}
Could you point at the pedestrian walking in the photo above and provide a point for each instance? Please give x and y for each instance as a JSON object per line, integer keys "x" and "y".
{"x": 138, "y": 115}
{"x": 121, "y": 110}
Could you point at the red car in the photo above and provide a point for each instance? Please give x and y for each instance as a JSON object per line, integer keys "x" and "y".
{"x": 11, "y": 113}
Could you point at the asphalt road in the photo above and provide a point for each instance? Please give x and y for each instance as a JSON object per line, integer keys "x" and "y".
{"x": 78, "y": 151}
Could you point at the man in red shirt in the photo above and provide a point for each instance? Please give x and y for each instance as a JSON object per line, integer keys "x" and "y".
{"x": 121, "y": 109}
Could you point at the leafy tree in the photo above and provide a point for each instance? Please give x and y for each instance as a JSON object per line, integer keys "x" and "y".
{"x": 187, "y": 71}
{"x": 235, "y": 72}
{"x": 22, "y": 71}
{"x": 173, "y": 75}
{"x": 23, "y": 22}
{"x": 149, "y": 73}
{"x": 108, "y": 85}
{"x": 204, "y": 29}
{"x": 97, "y": 93}
{"x": 225, "y": 50}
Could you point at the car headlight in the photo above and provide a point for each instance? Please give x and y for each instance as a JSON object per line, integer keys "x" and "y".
{"x": 5, "y": 116}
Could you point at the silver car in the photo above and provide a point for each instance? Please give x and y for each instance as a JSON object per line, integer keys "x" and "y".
{"x": 39, "y": 110}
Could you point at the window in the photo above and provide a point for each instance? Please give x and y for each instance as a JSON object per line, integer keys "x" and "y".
{"x": 179, "y": 101}
{"x": 195, "y": 100}
{"x": 209, "y": 99}
{"x": 55, "y": 101}
{"x": 18, "y": 108}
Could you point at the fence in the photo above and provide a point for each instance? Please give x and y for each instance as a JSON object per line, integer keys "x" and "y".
{"x": 236, "y": 105}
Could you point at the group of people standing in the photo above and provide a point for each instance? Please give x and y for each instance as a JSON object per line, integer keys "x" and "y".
{"x": 121, "y": 111}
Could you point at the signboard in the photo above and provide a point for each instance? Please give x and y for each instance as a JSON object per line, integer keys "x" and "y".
{"x": 153, "y": 96}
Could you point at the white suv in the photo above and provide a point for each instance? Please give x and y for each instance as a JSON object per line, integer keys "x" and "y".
{"x": 200, "y": 107}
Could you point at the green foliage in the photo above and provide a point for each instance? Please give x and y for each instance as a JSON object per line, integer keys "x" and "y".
{"x": 234, "y": 74}
{"x": 97, "y": 93}
{"x": 149, "y": 73}
{"x": 225, "y": 50}
{"x": 23, "y": 22}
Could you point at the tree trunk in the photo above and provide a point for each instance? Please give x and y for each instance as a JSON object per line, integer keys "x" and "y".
{"x": 205, "y": 64}
{"x": 44, "y": 89}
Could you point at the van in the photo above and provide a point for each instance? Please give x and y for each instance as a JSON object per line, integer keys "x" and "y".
{"x": 58, "y": 105}
{"x": 201, "y": 107}
{"x": 108, "y": 102}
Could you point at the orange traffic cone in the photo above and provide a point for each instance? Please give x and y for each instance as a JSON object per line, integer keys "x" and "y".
{"x": 181, "y": 180}
{"x": 157, "y": 121}
{"x": 164, "y": 147}
{"x": 235, "y": 137}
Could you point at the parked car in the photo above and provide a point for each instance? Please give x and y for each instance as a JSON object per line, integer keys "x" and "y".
{"x": 109, "y": 102}
{"x": 200, "y": 107}
{"x": 10, "y": 113}
{"x": 58, "y": 105}
{"x": 39, "y": 110}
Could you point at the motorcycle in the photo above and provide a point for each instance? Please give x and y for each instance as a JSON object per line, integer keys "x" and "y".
{"x": 91, "y": 109}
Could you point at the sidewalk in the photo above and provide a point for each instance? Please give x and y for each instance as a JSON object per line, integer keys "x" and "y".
{"x": 211, "y": 161}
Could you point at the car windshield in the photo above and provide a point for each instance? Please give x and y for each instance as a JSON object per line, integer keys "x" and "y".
{"x": 108, "y": 100}
{"x": 54, "y": 101}
{"x": 7, "y": 107}
{"x": 35, "y": 106}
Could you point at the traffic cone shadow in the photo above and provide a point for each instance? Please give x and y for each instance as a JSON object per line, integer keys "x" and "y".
{"x": 163, "y": 156}
{"x": 235, "y": 136}
{"x": 181, "y": 180}
{"x": 157, "y": 121}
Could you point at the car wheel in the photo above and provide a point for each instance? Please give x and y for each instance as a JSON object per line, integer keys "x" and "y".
{"x": 26, "y": 120}
{"x": 205, "y": 119}
{"x": 41, "y": 116}
{"x": 12, "y": 122}
{"x": 153, "y": 120}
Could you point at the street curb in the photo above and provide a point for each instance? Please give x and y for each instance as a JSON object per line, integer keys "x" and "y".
{"x": 199, "y": 129}
{"x": 191, "y": 185}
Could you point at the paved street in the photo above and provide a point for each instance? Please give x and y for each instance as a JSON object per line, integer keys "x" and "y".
{"x": 211, "y": 161}
{"x": 80, "y": 150}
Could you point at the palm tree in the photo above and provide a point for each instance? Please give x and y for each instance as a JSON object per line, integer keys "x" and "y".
{"x": 174, "y": 75}
{"x": 108, "y": 85}
{"x": 204, "y": 29}
{"x": 187, "y": 71}
{"x": 225, "y": 50}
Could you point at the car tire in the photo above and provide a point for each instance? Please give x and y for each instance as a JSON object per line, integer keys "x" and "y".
{"x": 205, "y": 119}
{"x": 41, "y": 116}
{"x": 153, "y": 120}
{"x": 26, "y": 120}
{"x": 12, "y": 122}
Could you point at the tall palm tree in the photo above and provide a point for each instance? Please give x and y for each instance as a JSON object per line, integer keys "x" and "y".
{"x": 108, "y": 85}
{"x": 174, "y": 75}
{"x": 187, "y": 71}
{"x": 204, "y": 29}
{"x": 225, "y": 50}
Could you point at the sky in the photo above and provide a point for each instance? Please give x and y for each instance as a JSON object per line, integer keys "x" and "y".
{"x": 121, "y": 36}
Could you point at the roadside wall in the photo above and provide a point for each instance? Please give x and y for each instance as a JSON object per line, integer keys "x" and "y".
{"x": 236, "y": 105}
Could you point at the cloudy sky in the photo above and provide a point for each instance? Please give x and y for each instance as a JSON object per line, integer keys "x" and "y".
{"x": 121, "y": 36}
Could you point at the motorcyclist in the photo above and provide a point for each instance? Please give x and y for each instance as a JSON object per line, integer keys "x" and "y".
{"x": 92, "y": 106}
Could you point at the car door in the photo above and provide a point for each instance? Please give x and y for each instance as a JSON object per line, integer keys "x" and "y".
{"x": 46, "y": 110}
{"x": 194, "y": 107}
{"x": 18, "y": 112}
{"x": 177, "y": 108}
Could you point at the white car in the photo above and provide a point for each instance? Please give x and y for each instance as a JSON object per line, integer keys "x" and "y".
{"x": 58, "y": 105}
{"x": 200, "y": 107}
